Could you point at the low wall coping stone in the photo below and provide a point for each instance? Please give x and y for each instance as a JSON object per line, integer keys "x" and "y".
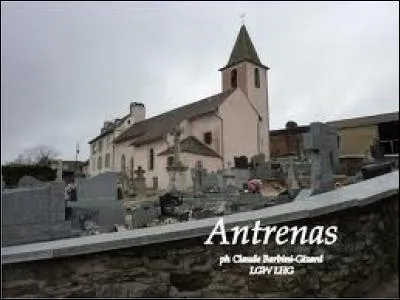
{"x": 355, "y": 195}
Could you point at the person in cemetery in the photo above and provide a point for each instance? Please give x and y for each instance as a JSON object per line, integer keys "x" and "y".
{"x": 69, "y": 195}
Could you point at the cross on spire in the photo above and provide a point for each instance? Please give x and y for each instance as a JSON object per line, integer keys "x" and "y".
{"x": 242, "y": 16}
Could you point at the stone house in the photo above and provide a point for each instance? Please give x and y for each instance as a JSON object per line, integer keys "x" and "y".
{"x": 356, "y": 136}
{"x": 232, "y": 123}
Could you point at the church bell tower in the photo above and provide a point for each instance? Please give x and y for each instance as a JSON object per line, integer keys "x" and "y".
{"x": 245, "y": 71}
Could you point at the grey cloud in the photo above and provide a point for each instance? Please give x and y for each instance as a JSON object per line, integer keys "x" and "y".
{"x": 66, "y": 67}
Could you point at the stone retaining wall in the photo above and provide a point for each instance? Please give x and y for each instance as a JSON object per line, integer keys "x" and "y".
{"x": 365, "y": 254}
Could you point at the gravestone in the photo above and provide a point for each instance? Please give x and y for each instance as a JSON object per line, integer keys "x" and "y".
{"x": 29, "y": 182}
{"x": 377, "y": 151}
{"x": 99, "y": 196}
{"x": 262, "y": 171}
{"x": 241, "y": 162}
{"x": 241, "y": 176}
{"x": 100, "y": 187}
{"x": 198, "y": 174}
{"x": 257, "y": 160}
{"x": 31, "y": 215}
{"x": 228, "y": 181}
{"x": 143, "y": 215}
{"x": 139, "y": 182}
{"x": 155, "y": 183}
{"x": 80, "y": 217}
{"x": 168, "y": 202}
{"x": 292, "y": 182}
{"x": 107, "y": 213}
{"x": 211, "y": 182}
{"x": 322, "y": 144}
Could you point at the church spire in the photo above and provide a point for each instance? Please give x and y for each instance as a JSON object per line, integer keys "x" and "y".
{"x": 243, "y": 50}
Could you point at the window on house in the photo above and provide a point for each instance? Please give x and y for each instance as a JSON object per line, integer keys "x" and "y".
{"x": 107, "y": 161}
{"x": 208, "y": 138}
{"x": 389, "y": 146}
{"x": 389, "y": 137}
{"x": 94, "y": 148}
{"x": 100, "y": 146}
{"x": 170, "y": 161}
{"x": 257, "y": 78}
{"x": 151, "y": 159}
{"x": 99, "y": 163}
{"x": 234, "y": 78}
{"x": 123, "y": 163}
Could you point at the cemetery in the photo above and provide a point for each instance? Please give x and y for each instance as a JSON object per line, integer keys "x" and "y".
{"x": 36, "y": 227}
{"x": 193, "y": 193}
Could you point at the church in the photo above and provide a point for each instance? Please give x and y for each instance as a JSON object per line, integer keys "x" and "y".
{"x": 215, "y": 130}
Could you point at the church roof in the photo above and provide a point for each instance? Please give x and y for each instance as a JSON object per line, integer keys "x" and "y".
{"x": 243, "y": 50}
{"x": 156, "y": 127}
{"x": 366, "y": 121}
{"x": 192, "y": 145}
{"x": 109, "y": 130}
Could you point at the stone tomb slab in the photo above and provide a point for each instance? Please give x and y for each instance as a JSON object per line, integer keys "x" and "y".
{"x": 98, "y": 187}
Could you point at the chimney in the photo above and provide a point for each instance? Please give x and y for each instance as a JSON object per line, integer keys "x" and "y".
{"x": 106, "y": 126}
{"x": 137, "y": 111}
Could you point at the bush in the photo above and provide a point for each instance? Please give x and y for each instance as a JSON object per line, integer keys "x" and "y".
{"x": 13, "y": 173}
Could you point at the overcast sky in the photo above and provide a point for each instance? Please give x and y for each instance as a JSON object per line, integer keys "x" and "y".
{"x": 66, "y": 67}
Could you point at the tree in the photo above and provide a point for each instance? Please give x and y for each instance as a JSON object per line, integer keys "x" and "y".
{"x": 41, "y": 155}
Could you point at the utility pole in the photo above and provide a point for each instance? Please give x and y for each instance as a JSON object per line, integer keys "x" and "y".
{"x": 76, "y": 157}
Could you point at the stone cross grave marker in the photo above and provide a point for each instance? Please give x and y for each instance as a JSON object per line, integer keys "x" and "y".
{"x": 322, "y": 143}
{"x": 176, "y": 132}
{"x": 59, "y": 170}
{"x": 177, "y": 170}
{"x": 197, "y": 176}
{"x": 140, "y": 181}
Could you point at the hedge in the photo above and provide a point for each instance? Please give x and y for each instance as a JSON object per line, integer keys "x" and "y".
{"x": 12, "y": 173}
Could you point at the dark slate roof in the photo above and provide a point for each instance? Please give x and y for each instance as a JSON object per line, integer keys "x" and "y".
{"x": 243, "y": 50}
{"x": 296, "y": 130}
{"x": 192, "y": 145}
{"x": 345, "y": 123}
{"x": 108, "y": 130}
{"x": 366, "y": 121}
{"x": 157, "y": 127}
{"x": 101, "y": 135}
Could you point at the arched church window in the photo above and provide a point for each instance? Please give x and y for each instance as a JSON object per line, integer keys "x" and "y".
{"x": 208, "y": 138}
{"x": 123, "y": 163}
{"x": 151, "y": 159}
{"x": 170, "y": 161}
{"x": 234, "y": 78}
{"x": 99, "y": 163}
{"x": 257, "y": 78}
{"x": 107, "y": 161}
